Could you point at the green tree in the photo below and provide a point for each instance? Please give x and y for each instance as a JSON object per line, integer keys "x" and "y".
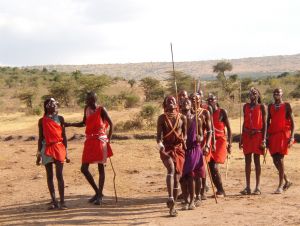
{"x": 183, "y": 82}
{"x": 152, "y": 88}
{"x": 91, "y": 83}
{"x": 62, "y": 92}
{"x": 27, "y": 98}
{"x": 131, "y": 82}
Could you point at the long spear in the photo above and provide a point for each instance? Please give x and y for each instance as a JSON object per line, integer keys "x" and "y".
{"x": 175, "y": 83}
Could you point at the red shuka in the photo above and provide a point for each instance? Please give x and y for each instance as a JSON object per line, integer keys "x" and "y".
{"x": 252, "y": 131}
{"x": 279, "y": 130}
{"x": 219, "y": 155}
{"x": 173, "y": 146}
{"x": 96, "y": 149}
{"x": 52, "y": 132}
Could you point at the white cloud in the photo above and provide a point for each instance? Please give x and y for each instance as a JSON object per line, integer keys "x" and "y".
{"x": 110, "y": 31}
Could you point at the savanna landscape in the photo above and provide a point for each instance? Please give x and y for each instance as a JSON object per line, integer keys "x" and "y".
{"x": 134, "y": 102}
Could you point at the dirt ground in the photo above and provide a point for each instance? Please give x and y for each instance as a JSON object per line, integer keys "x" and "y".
{"x": 140, "y": 185}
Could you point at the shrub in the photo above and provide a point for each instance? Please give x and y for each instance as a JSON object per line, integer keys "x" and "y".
{"x": 131, "y": 100}
{"x": 148, "y": 113}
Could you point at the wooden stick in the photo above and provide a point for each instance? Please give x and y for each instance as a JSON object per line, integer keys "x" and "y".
{"x": 175, "y": 83}
{"x": 114, "y": 179}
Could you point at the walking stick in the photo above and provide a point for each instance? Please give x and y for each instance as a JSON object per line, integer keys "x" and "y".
{"x": 227, "y": 166}
{"x": 114, "y": 179}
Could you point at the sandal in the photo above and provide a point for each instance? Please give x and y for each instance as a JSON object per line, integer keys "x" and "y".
{"x": 99, "y": 201}
{"x": 197, "y": 201}
{"x": 173, "y": 212}
{"x": 93, "y": 199}
{"x": 278, "y": 191}
{"x": 53, "y": 205}
{"x": 287, "y": 185}
{"x": 192, "y": 206}
{"x": 63, "y": 206}
{"x": 256, "y": 192}
{"x": 246, "y": 191}
{"x": 185, "y": 206}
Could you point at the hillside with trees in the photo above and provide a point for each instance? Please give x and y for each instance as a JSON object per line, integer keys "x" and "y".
{"x": 254, "y": 67}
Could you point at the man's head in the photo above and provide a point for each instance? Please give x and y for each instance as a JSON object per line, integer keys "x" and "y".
{"x": 212, "y": 100}
{"x": 50, "y": 105}
{"x": 195, "y": 99}
{"x": 91, "y": 98}
{"x": 254, "y": 94}
{"x": 169, "y": 103}
{"x": 186, "y": 105}
{"x": 277, "y": 94}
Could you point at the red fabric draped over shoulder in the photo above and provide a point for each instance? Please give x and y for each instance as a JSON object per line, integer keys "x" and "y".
{"x": 279, "y": 130}
{"x": 219, "y": 155}
{"x": 53, "y": 136}
{"x": 252, "y": 131}
{"x": 96, "y": 146}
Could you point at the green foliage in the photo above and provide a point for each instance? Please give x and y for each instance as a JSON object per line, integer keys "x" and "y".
{"x": 91, "y": 83}
{"x": 183, "y": 81}
{"x": 246, "y": 84}
{"x": 131, "y": 82}
{"x": 135, "y": 123}
{"x": 131, "y": 100}
{"x": 222, "y": 66}
{"x": 27, "y": 97}
{"x": 149, "y": 113}
{"x": 152, "y": 89}
{"x": 295, "y": 93}
{"x": 62, "y": 91}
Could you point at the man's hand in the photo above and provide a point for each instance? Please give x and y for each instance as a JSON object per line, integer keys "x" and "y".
{"x": 206, "y": 150}
{"x": 229, "y": 149}
{"x": 291, "y": 142}
{"x": 240, "y": 144}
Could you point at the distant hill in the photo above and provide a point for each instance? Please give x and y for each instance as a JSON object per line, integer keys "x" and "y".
{"x": 244, "y": 67}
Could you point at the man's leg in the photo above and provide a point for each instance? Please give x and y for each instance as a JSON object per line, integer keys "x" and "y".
{"x": 191, "y": 189}
{"x": 90, "y": 179}
{"x": 277, "y": 160}
{"x": 101, "y": 183}
{"x": 217, "y": 180}
{"x": 169, "y": 164}
{"x": 61, "y": 184}
{"x": 248, "y": 160}
{"x": 257, "y": 172}
{"x": 49, "y": 172}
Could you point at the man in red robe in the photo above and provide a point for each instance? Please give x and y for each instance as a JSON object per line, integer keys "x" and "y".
{"x": 171, "y": 137}
{"x": 52, "y": 146}
{"x": 97, "y": 144}
{"x": 253, "y": 138}
{"x": 280, "y": 135}
{"x": 223, "y": 144}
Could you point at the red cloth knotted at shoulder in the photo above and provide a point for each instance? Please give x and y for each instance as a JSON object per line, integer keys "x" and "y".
{"x": 53, "y": 136}
{"x": 96, "y": 146}
{"x": 252, "y": 132}
{"x": 279, "y": 130}
{"x": 219, "y": 155}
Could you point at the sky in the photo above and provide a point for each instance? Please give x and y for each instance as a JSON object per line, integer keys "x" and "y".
{"x": 42, "y": 32}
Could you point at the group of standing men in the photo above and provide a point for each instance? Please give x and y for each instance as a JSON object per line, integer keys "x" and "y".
{"x": 191, "y": 135}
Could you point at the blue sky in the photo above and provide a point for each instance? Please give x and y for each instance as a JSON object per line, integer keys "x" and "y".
{"x": 35, "y": 32}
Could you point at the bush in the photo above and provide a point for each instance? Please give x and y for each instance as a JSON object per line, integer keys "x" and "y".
{"x": 136, "y": 123}
{"x": 131, "y": 100}
{"x": 148, "y": 113}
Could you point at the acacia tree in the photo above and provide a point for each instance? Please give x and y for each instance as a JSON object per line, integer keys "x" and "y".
{"x": 183, "y": 82}
{"x": 227, "y": 84}
{"x": 131, "y": 82}
{"x": 152, "y": 88}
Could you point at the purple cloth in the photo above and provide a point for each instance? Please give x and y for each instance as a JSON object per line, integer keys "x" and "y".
{"x": 193, "y": 155}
